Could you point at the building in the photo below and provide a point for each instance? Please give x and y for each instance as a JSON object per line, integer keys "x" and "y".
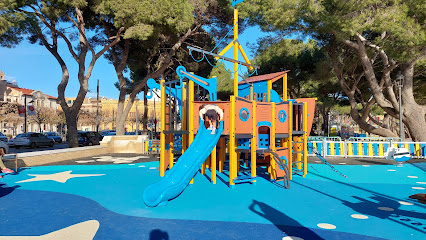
{"x": 11, "y": 97}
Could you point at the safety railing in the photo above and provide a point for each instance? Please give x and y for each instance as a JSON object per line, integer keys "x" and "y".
{"x": 367, "y": 149}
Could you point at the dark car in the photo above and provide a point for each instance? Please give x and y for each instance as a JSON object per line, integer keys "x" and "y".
{"x": 32, "y": 140}
{"x": 54, "y": 136}
{"x": 89, "y": 138}
{"x": 3, "y": 137}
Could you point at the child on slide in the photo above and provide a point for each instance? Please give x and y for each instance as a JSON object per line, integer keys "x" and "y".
{"x": 213, "y": 114}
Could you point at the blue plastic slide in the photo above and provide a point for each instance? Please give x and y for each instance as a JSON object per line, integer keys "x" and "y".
{"x": 177, "y": 178}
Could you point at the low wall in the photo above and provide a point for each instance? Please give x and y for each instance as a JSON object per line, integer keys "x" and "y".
{"x": 110, "y": 144}
{"x": 124, "y": 144}
{"x": 38, "y": 158}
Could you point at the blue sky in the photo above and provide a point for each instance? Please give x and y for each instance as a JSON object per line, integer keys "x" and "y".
{"x": 33, "y": 67}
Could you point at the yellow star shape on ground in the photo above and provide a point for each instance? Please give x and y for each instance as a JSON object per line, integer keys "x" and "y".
{"x": 61, "y": 177}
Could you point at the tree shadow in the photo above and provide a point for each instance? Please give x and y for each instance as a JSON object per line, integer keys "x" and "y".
{"x": 157, "y": 234}
{"x": 6, "y": 190}
{"x": 292, "y": 227}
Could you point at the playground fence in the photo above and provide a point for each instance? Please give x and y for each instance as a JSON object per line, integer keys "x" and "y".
{"x": 363, "y": 148}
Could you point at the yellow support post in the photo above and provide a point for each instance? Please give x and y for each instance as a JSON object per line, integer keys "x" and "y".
{"x": 305, "y": 139}
{"x": 232, "y": 155}
{"x": 253, "y": 143}
{"x": 162, "y": 127}
{"x": 190, "y": 114}
{"x": 272, "y": 141}
{"x": 290, "y": 138}
{"x": 231, "y": 44}
{"x": 251, "y": 93}
{"x": 236, "y": 52}
{"x": 146, "y": 146}
{"x": 244, "y": 56}
{"x": 184, "y": 118}
{"x": 380, "y": 147}
{"x": 269, "y": 90}
{"x": 418, "y": 150}
{"x": 360, "y": 151}
{"x": 285, "y": 87}
{"x": 171, "y": 148}
{"x": 299, "y": 153}
{"x": 213, "y": 165}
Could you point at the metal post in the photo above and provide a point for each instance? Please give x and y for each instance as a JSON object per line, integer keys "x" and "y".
{"x": 25, "y": 110}
{"x": 97, "y": 108}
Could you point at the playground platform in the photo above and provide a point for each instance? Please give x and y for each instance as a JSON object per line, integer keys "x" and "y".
{"x": 101, "y": 198}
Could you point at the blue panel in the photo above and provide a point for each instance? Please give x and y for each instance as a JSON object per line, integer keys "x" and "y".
{"x": 385, "y": 147}
{"x": 264, "y": 123}
{"x": 243, "y": 143}
{"x": 365, "y": 145}
{"x": 337, "y": 148}
{"x": 310, "y": 147}
{"x": 319, "y": 147}
{"x": 412, "y": 149}
{"x": 423, "y": 149}
{"x": 376, "y": 149}
{"x": 263, "y": 141}
{"x": 282, "y": 116}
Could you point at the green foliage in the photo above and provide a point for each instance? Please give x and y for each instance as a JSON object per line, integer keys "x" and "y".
{"x": 225, "y": 82}
{"x": 402, "y": 20}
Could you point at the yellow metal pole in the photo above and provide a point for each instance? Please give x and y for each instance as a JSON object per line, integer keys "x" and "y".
{"x": 162, "y": 127}
{"x": 253, "y": 144}
{"x": 251, "y": 93}
{"x": 232, "y": 155}
{"x": 184, "y": 118}
{"x": 272, "y": 142}
{"x": 269, "y": 90}
{"x": 290, "y": 138}
{"x": 285, "y": 87}
{"x": 213, "y": 165}
{"x": 305, "y": 139}
{"x": 235, "y": 52}
{"x": 191, "y": 115}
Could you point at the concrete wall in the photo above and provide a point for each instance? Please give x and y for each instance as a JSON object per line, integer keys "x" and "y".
{"x": 50, "y": 156}
{"x": 124, "y": 144}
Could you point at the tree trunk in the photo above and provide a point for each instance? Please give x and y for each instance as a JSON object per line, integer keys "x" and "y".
{"x": 72, "y": 132}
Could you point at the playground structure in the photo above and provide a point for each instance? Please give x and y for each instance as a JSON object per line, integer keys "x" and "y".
{"x": 258, "y": 129}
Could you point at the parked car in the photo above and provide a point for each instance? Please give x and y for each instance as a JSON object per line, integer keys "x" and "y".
{"x": 54, "y": 136}
{"x": 5, "y": 147}
{"x": 10, "y": 142}
{"x": 89, "y": 138}
{"x": 3, "y": 138}
{"x": 111, "y": 133}
{"x": 105, "y": 132}
{"x": 32, "y": 140}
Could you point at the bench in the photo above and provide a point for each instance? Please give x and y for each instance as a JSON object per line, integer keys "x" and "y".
{"x": 10, "y": 158}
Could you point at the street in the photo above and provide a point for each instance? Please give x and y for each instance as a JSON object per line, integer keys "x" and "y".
{"x": 27, "y": 149}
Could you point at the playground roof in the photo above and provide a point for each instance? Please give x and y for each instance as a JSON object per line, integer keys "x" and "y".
{"x": 271, "y": 76}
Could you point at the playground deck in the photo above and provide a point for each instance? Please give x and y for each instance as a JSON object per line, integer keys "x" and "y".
{"x": 105, "y": 202}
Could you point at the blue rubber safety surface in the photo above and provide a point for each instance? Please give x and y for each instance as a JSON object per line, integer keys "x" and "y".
{"x": 372, "y": 203}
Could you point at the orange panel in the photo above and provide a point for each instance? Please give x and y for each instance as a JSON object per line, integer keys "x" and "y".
{"x": 225, "y": 106}
{"x": 311, "y": 111}
{"x": 281, "y": 118}
{"x": 243, "y": 111}
{"x": 263, "y": 112}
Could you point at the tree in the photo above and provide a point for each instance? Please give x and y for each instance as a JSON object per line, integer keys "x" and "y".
{"x": 383, "y": 37}
{"x": 43, "y": 115}
{"x": 48, "y": 22}
{"x": 155, "y": 45}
